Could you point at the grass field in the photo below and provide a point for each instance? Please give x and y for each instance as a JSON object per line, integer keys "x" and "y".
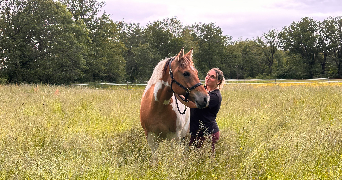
{"x": 268, "y": 131}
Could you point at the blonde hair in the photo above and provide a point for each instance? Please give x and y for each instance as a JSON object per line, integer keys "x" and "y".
{"x": 220, "y": 77}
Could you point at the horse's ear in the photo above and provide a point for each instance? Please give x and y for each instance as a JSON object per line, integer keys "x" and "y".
{"x": 189, "y": 54}
{"x": 181, "y": 53}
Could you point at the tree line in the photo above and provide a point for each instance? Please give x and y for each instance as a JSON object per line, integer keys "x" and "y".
{"x": 68, "y": 41}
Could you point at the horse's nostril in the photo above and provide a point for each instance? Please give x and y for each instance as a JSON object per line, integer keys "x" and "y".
{"x": 208, "y": 98}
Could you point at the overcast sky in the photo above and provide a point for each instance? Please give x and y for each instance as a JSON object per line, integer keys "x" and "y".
{"x": 237, "y": 18}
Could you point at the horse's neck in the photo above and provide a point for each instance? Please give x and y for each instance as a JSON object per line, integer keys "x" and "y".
{"x": 162, "y": 92}
{"x": 165, "y": 96}
{"x": 163, "y": 89}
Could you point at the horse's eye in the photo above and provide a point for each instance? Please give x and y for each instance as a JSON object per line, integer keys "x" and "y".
{"x": 186, "y": 74}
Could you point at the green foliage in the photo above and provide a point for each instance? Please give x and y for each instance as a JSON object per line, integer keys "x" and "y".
{"x": 163, "y": 37}
{"x": 67, "y": 41}
{"x": 301, "y": 38}
{"x": 269, "y": 44}
{"x": 146, "y": 47}
{"x": 46, "y": 46}
{"x": 140, "y": 56}
{"x": 246, "y": 60}
{"x": 211, "y": 48}
{"x": 105, "y": 61}
{"x": 84, "y": 10}
{"x": 330, "y": 46}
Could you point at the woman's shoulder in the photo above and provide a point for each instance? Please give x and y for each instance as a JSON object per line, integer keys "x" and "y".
{"x": 215, "y": 95}
{"x": 216, "y": 92}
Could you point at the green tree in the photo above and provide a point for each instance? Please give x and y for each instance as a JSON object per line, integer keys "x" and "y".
{"x": 234, "y": 68}
{"x": 189, "y": 38}
{"x": 85, "y": 10}
{"x": 279, "y": 68}
{"x": 337, "y": 45}
{"x": 165, "y": 37}
{"x": 43, "y": 44}
{"x": 294, "y": 66}
{"x": 138, "y": 54}
{"x": 331, "y": 46}
{"x": 324, "y": 42}
{"x": 211, "y": 47}
{"x": 252, "y": 59}
{"x": 147, "y": 46}
{"x": 302, "y": 38}
{"x": 246, "y": 59}
{"x": 105, "y": 60}
{"x": 269, "y": 44}
{"x": 144, "y": 60}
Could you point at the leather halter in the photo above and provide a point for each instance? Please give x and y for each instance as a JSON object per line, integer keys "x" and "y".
{"x": 187, "y": 90}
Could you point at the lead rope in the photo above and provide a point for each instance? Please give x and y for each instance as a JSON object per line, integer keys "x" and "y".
{"x": 178, "y": 107}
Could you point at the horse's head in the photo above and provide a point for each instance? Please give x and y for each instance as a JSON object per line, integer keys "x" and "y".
{"x": 185, "y": 81}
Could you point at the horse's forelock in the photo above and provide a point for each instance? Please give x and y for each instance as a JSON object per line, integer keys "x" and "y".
{"x": 186, "y": 62}
{"x": 186, "y": 59}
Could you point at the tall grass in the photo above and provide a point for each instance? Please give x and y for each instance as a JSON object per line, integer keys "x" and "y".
{"x": 267, "y": 132}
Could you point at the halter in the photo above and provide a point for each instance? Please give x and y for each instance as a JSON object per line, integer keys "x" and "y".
{"x": 187, "y": 90}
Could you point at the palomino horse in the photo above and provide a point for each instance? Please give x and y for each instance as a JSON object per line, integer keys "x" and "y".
{"x": 160, "y": 114}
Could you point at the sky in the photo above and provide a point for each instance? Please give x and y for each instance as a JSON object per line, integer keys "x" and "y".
{"x": 241, "y": 19}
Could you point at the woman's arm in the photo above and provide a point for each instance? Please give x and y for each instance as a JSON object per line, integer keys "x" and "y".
{"x": 190, "y": 104}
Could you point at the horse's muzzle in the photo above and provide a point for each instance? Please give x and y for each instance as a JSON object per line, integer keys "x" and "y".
{"x": 202, "y": 101}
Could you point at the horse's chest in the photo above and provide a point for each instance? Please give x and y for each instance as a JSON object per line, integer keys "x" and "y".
{"x": 161, "y": 115}
{"x": 166, "y": 116}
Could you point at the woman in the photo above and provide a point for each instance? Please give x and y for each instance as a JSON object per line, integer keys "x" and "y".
{"x": 203, "y": 121}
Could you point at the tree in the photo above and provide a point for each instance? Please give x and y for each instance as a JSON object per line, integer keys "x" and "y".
{"x": 132, "y": 37}
{"x": 105, "y": 61}
{"x": 269, "y": 43}
{"x": 337, "y": 47}
{"x": 302, "y": 38}
{"x": 164, "y": 37}
{"x": 9, "y": 24}
{"x": 211, "y": 47}
{"x": 147, "y": 46}
{"x": 86, "y": 10}
{"x": 189, "y": 38}
{"x": 234, "y": 68}
{"x": 252, "y": 59}
{"x": 43, "y": 44}
{"x": 331, "y": 46}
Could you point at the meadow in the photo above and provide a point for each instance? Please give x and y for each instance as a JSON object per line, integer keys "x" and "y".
{"x": 268, "y": 131}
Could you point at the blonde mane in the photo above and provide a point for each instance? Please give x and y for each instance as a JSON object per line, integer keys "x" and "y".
{"x": 157, "y": 74}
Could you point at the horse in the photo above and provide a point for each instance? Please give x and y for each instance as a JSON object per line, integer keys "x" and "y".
{"x": 160, "y": 112}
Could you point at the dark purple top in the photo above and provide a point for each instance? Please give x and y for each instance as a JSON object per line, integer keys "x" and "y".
{"x": 203, "y": 121}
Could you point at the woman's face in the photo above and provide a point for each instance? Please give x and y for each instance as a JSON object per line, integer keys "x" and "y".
{"x": 211, "y": 79}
